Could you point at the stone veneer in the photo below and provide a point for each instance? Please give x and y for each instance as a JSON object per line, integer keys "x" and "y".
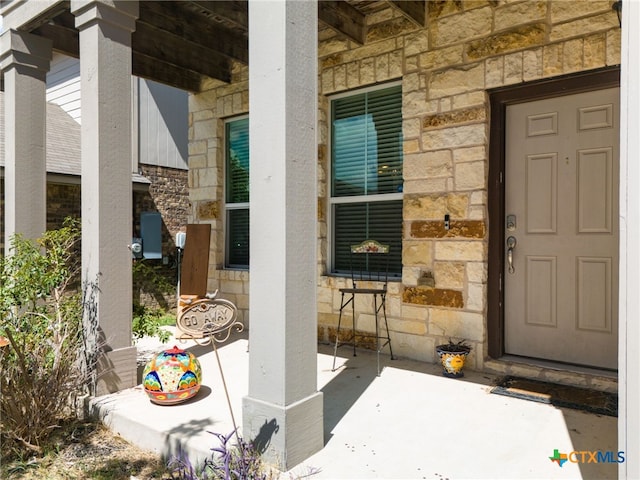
{"x": 445, "y": 69}
{"x": 166, "y": 194}
{"x": 63, "y": 200}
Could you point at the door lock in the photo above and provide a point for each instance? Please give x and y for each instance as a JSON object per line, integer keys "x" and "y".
{"x": 511, "y": 222}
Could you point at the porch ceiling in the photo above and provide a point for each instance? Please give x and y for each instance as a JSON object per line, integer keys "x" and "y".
{"x": 183, "y": 43}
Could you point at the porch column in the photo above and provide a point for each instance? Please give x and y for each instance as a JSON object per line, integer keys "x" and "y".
{"x": 105, "y": 87}
{"x": 283, "y": 407}
{"x": 629, "y": 307}
{"x": 24, "y": 60}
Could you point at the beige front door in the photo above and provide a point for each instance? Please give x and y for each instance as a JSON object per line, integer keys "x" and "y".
{"x": 561, "y": 206}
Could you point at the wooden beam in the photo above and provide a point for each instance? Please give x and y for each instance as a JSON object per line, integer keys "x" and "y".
{"x": 45, "y": 16}
{"x": 195, "y": 29}
{"x": 153, "y": 69}
{"x": 343, "y": 18}
{"x": 65, "y": 19}
{"x": 65, "y": 40}
{"x": 235, "y": 13}
{"x": 174, "y": 50}
{"x": 414, "y": 10}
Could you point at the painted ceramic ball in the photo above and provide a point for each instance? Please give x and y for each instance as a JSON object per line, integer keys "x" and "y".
{"x": 172, "y": 376}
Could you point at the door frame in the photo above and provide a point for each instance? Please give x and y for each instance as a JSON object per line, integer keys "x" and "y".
{"x": 499, "y": 99}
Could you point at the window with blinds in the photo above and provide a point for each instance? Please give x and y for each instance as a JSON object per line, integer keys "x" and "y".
{"x": 366, "y": 174}
{"x": 237, "y": 193}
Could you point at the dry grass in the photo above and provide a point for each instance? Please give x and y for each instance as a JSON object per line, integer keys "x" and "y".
{"x": 87, "y": 451}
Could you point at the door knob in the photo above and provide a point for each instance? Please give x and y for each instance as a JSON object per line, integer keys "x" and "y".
{"x": 511, "y": 244}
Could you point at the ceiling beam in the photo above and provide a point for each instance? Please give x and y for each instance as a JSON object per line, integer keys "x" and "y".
{"x": 163, "y": 15}
{"x": 414, "y": 10}
{"x": 174, "y": 50}
{"x": 153, "y": 69}
{"x": 62, "y": 32}
{"x": 67, "y": 42}
{"x": 343, "y": 18}
{"x": 235, "y": 12}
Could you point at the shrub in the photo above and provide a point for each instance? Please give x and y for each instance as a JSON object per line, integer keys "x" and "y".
{"x": 153, "y": 283}
{"x": 147, "y": 322}
{"x": 237, "y": 462}
{"x": 41, "y": 373}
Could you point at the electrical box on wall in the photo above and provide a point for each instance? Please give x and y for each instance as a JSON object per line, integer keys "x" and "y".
{"x": 151, "y": 232}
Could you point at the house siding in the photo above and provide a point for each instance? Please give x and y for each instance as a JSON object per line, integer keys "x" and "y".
{"x": 445, "y": 69}
{"x": 162, "y": 125}
{"x": 63, "y": 85}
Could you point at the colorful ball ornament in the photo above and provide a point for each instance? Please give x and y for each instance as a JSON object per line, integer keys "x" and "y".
{"x": 172, "y": 376}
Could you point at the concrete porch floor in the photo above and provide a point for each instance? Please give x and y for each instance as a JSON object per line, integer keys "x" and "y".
{"x": 409, "y": 423}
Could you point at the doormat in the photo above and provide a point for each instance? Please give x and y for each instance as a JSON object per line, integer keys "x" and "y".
{"x": 578, "y": 398}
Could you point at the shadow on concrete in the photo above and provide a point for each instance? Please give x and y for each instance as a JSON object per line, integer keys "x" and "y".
{"x": 176, "y": 440}
{"x": 356, "y": 373}
{"x": 370, "y": 419}
{"x": 354, "y": 377}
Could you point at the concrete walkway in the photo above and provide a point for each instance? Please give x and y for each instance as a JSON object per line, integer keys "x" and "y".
{"x": 408, "y": 423}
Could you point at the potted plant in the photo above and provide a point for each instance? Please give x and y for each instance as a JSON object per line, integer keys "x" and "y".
{"x": 452, "y": 356}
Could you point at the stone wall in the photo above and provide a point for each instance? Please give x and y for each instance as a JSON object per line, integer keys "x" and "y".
{"x": 166, "y": 194}
{"x": 63, "y": 200}
{"x": 445, "y": 69}
{"x": 207, "y": 112}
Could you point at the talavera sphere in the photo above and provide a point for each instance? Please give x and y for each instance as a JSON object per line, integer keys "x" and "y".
{"x": 172, "y": 376}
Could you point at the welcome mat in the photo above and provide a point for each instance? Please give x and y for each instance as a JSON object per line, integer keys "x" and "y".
{"x": 578, "y": 398}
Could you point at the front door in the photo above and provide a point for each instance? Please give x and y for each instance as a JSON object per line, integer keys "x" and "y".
{"x": 561, "y": 229}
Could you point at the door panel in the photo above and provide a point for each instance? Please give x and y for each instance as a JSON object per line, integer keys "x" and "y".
{"x": 542, "y": 193}
{"x": 541, "y": 294}
{"x": 595, "y": 190}
{"x": 561, "y": 188}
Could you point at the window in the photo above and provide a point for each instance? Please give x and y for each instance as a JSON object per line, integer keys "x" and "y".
{"x": 237, "y": 193}
{"x": 366, "y": 174}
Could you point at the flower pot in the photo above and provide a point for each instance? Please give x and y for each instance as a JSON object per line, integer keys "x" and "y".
{"x": 172, "y": 376}
{"x": 453, "y": 358}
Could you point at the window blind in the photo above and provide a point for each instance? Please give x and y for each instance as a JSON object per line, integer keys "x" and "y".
{"x": 367, "y": 160}
{"x": 237, "y": 193}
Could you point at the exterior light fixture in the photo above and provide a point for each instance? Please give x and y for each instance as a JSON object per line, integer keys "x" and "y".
{"x": 617, "y": 6}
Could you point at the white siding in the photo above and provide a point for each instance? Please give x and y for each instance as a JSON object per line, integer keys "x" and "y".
{"x": 63, "y": 84}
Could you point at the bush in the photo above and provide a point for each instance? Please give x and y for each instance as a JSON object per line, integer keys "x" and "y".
{"x": 147, "y": 323}
{"x": 238, "y": 462}
{"x": 42, "y": 370}
{"x": 153, "y": 283}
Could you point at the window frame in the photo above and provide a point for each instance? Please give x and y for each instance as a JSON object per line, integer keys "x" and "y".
{"x": 332, "y": 201}
{"x": 229, "y": 207}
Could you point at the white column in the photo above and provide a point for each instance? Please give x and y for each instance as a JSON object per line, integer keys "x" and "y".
{"x": 284, "y": 406}
{"x": 24, "y": 60}
{"x": 629, "y": 317}
{"x": 105, "y": 79}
